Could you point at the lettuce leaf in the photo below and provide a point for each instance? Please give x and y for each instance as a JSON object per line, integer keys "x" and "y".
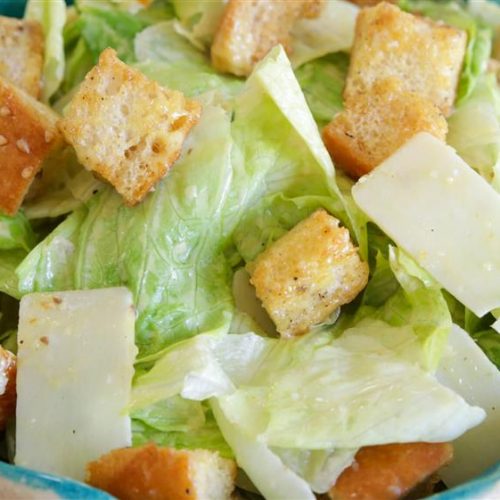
{"x": 479, "y": 38}
{"x": 474, "y": 129}
{"x": 167, "y": 57}
{"x": 52, "y": 16}
{"x": 322, "y": 82}
{"x": 16, "y": 232}
{"x": 332, "y": 31}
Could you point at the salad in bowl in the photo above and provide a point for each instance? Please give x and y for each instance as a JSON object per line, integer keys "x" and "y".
{"x": 250, "y": 249}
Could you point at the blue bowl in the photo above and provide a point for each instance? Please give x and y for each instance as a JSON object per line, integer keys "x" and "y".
{"x": 38, "y": 482}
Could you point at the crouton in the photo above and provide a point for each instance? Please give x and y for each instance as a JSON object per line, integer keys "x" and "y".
{"x": 127, "y": 128}
{"x": 151, "y": 472}
{"x": 249, "y": 29}
{"x": 28, "y": 134}
{"x": 21, "y": 53}
{"x": 308, "y": 273}
{"x": 377, "y": 123}
{"x": 391, "y": 471}
{"x": 424, "y": 55}
{"x": 7, "y": 386}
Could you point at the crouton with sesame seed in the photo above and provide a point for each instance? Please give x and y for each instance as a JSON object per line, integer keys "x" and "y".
{"x": 8, "y": 370}
{"x": 159, "y": 473}
{"x": 390, "y": 471}
{"x": 378, "y": 123}
{"x": 308, "y": 273}
{"x": 127, "y": 128}
{"x": 426, "y": 56}
{"x": 21, "y": 53}
{"x": 28, "y": 135}
{"x": 249, "y": 29}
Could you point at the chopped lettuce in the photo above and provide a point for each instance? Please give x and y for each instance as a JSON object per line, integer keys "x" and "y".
{"x": 474, "y": 129}
{"x": 9, "y": 260}
{"x": 282, "y": 390}
{"x": 52, "y": 16}
{"x": 165, "y": 56}
{"x": 199, "y": 19}
{"x": 332, "y": 31}
{"x": 180, "y": 423}
{"x": 479, "y": 38}
{"x": 322, "y": 82}
{"x": 265, "y": 468}
{"x": 16, "y": 232}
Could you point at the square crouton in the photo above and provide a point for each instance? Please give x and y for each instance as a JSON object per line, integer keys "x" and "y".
{"x": 163, "y": 473}
{"x": 378, "y": 123}
{"x": 249, "y": 29}
{"x": 390, "y": 471}
{"x": 8, "y": 370}
{"x": 21, "y": 53}
{"x": 308, "y": 273}
{"x": 424, "y": 55}
{"x": 28, "y": 134}
{"x": 127, "y": 128}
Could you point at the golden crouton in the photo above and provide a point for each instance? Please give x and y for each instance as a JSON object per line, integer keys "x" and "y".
{"x": 28, "y": 134}
{"x": 21, "y": 53}
{"x": 309, "y": 272}
{"x": 391, "y": 471}
{"x": 424, "y": 55}
{"x": 154, "y": 473}
{"x": 8, "y": 369}
{"x": 377, "y": 123}
{"x": 249, "y": 29}
{"x": 127, "y": 128}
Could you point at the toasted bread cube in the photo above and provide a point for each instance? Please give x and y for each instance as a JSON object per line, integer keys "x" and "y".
{"x": 151, "y": 472}
{"x": 21, "y": 53}
{"x": 127, "y": 128}
{"x": 249, "y": 29}
{"x": 308, "y": 273}
{"x": 391, "y": 471}
{"x": 28, "y": 134}
{"x": 377, "y": 123}
{"x": 424, "y": 55}
{"x": 8, "y": 369}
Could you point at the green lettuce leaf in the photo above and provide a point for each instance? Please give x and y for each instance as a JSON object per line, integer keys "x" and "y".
{"x": 16, "y": 232}
{"x": 167, "y": 57}
{"x": 368, "y": 376}
{"x": 9, "y": 260}
{"x": 63, "y": 187}
{"x": 332, "y": 31}
{"x": 474, "y": 129}
{"x": 266, "y": 470}
{"x": 322, "y": 82}
{"x": 52, "y": 16}
{"x": 479, "y": 38}
{"x": 199, "y": 19}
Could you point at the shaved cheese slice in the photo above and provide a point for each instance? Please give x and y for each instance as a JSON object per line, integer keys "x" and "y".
{"x": 75, "y": 365}
{"x": 466, "y": 370}
{"x": 433, "y": 205}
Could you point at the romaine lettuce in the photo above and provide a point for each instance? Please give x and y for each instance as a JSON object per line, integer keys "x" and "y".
{"x": 52, "y": 16}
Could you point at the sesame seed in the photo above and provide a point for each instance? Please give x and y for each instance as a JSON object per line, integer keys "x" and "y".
{"x": 3, "y": 140}
{"x": 23, "y": 146}
{"x": 5, "y": 111}
{"x": 26, "y": 172}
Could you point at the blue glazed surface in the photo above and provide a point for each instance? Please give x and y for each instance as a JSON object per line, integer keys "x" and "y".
{"x": 67, "y": 489}
{"x": 64, "y": 488}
